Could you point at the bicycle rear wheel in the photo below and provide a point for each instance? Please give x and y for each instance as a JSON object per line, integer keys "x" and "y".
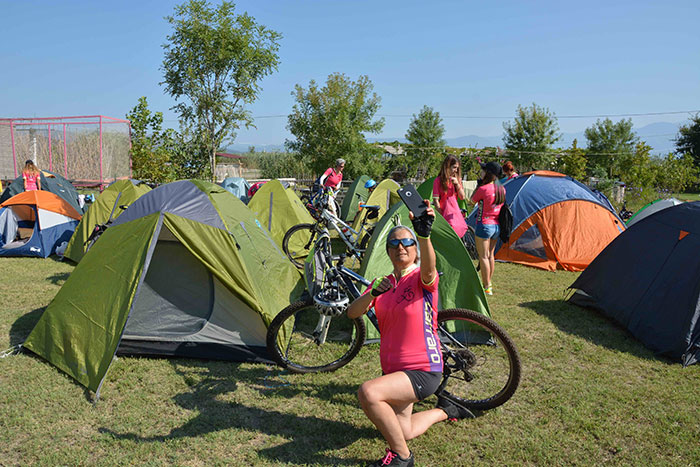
{"x": 469, "y": 240}
{"x": 297, "y": 243}
{"x": 481, "y": 364}
{"x": 304, "y": 341}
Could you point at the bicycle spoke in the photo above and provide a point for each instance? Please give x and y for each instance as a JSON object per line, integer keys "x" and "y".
{"x": 482, "y": 365}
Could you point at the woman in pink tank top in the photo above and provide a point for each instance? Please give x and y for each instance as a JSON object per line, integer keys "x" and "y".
{"x": 31, "y": 176}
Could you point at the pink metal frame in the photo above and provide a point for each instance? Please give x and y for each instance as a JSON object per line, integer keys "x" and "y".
{"x": 49, "y": 122}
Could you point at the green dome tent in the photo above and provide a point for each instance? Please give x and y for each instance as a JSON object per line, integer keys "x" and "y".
{"x": 278, "y": 209}
{"x": 385, "y": 196}
{"x": 186, "y": 271}
{"x": 356, "y": 193}
{"x": 459, "y": 287}
{"x": 119, "y": 193}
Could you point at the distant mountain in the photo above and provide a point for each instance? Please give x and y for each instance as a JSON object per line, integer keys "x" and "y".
{"x": 658, "y": 135}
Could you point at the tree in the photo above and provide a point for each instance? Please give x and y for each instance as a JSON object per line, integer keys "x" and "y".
{"x": 531, "y": 137}
{"x": 150, "y": 158}
{"x": 330, "y": 122}
{"x": 688, "y": 140}
{"x": 572, "y": 162}
{"x": 676, "y": 174}
{"x": 214, "y": 60}
{"x": 425, "y": 133}
{"x": 611, "y": 145}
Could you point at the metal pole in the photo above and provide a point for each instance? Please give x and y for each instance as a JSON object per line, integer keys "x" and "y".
{"x": 101, "y": 153}
{"x": 12, "y": 137}
{"x": 65, "y": 153}
{"x": 50, "y": 153}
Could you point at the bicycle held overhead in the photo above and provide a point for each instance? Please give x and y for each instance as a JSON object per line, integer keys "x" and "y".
{"x": 481, "y": 365}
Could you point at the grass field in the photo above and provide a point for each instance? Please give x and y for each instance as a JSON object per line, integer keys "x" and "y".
{"x": 590, "y": 395}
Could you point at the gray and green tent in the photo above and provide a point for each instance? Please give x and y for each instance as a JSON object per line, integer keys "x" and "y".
{"x": 356, "y": 193}
{"x": 51, "y": 182}
{"x": 278, "y": 209}
{"x": 459, "y": 287}
{"x": 106, "y": 206}
{"x": 186, "y": 271}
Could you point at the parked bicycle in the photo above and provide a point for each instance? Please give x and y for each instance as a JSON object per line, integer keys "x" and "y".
{"x": 99, "y": 229}
{"x": 625, "y": 214}
{"x": 481, "y": 364}
{"x": 299, "y": 239}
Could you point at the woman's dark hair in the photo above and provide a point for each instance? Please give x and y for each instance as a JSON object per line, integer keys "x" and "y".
{"x": 444, "y": 170}
{"x": 500, "y": 190}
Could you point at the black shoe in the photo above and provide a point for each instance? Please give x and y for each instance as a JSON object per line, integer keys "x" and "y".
{"x": 392, "y": 458}
{"x": 453, "y": 410}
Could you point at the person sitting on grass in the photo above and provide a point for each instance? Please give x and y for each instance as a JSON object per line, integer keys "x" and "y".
{"x": 404, "y": 302}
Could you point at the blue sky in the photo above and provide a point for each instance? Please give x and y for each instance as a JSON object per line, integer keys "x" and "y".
{"x": 463, "y": 58}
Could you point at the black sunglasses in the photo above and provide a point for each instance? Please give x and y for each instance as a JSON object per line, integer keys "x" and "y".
{"x": 406, "y": 242}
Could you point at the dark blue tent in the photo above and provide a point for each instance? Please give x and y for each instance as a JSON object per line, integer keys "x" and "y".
{"x": 648, "y": 280}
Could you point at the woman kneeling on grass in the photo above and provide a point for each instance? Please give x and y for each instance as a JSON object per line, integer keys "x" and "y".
{"x": 406, "y": 306}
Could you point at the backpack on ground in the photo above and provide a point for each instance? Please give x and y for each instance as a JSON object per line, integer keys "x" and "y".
{"x": 505, "y": 222}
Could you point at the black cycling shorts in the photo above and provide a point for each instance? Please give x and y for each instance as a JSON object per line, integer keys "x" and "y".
{"x": 425, "y": 383}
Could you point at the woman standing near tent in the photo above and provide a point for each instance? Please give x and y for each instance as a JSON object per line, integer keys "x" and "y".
{"x": 490, "y": 195}
{"x": 508, "y": 171}
{"x": 331, "y": 178}
{"x": 411, "y": 368}
{"x": 31, "y": 176}
{"x": 447, "y": 188}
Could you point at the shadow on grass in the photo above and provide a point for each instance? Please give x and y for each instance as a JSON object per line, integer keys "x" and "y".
{"x": 21, "y": 328}
{"x": 311, "y": 437}
{"x": 58, "y": 278}
{"x": 592, "y": 326}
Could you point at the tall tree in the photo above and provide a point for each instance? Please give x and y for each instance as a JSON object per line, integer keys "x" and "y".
{"x": 530, "y": 137}
{"x": 425, "y": 133}
{"x": 611, "y": 146}
{"x": 688, "y": 139}
{"x": 572, "y": 162}
{"x": 214, "y": 61}
{"x": 330, "y": 122}
{"x": 150, "y": 158}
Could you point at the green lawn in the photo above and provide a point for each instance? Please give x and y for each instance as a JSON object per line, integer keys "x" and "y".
{"x": 590, "y": 394}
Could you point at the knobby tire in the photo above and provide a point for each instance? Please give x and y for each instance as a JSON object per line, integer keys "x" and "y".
{"x": 482, "y": 370}
{"x": 290, "y": 340}
{"x": 297, "y": 243}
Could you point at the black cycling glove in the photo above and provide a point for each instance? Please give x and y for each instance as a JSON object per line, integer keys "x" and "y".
{"x": 380, "y": 286}
{"x": 423, "y": 225}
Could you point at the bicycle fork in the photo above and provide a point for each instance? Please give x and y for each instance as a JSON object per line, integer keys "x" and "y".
{"x": 321, "y": 331}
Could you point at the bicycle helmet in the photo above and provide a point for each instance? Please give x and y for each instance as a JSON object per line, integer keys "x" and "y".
{"x": 370, "y": 184}
{"x": 331, "y": 301}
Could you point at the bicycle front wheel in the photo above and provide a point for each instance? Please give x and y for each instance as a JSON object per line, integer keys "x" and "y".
{"x": 304, "y": 341}
{"x": 297, "y": 243}
{"x": 481, "y": 364}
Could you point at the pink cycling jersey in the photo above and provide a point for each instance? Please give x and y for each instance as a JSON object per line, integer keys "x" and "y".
{"x": 407, "y": 317}
{"x": 485, "y": 195}
{"x": 332, "y": 178}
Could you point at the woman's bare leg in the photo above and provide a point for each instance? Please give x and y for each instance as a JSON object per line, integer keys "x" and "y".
{"x": 382, "y": 399}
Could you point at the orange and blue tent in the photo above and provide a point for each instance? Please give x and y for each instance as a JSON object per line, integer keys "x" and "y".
{"x": 558, "y": 222}
{"x": 34, "y": 223}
